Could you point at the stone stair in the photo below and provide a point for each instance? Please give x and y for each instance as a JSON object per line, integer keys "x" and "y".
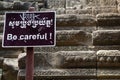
{"x": 87, "y": 45}
{"x": 89, "y": 53}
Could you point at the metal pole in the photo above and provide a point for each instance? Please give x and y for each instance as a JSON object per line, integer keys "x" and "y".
{"x": 29, "y": 64}
{"x": 30, "y": 59}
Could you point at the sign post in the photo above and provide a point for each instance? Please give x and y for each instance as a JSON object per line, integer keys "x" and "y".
{"x": 30, "y": 59}
{"x": 29, "y": 29}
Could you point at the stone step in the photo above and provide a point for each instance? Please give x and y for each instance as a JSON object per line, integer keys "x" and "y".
{"x": 103, "y": 64}
{"x": 105, "y": 9}
{"x": 108, "y": 74}
{"x": 106, "y": 37}
{"x": 66, "y": 74}
{"x": 75, "y": 20}
{"x": 108, "y": 19}
{"x": 76, "y": 48}
{"x": 74, "y": 59}
{"x": 62, "y": 59}
{"x": 73, "y": 37}
{"x": 108, "y": 59}
{"x": 61, "y": 74}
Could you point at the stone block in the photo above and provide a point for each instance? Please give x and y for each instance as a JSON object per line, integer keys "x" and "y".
{"x": 61, "y": 59}
{"x": 73, "y": 37}
{"x": 10, "y": 69}
{"x": 104, "y": 9}
{"x": 61, "y": 74}
{"x": 108, "y": 19}
{"x": 61, "y": 48}
{"x": 108, "y": 2}
{"x": 32, "y": 0}
{"x": 42, "y": 60}
{"x": 83, "y": 3}
{"x": 74, "y": 59}
{"x": 44, "y": 69}
{"x": 108, "y": 59}
{"x": 75, "y": 20}
{"x": 5, "y": 5}
{"x": 1, "y": 17}
{"x": 105, "y": 47}
{"x": 106, "y": 37}
{"x": 56, "y": 3}
{"x": 80, "y": 11}
{"x": 59, "y": 11}
{"x": 16, "y": 5}
{"x": 73, "y": 3}
{"x": 108, "y": 74}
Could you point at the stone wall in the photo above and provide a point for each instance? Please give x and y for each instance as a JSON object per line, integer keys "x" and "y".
{"x": 87, "y": 45}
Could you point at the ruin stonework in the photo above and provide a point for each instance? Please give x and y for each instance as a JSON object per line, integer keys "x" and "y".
{"x": 87, "y": 41}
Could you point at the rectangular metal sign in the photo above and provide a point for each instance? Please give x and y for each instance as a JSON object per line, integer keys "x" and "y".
{"x": 29, "y": 29}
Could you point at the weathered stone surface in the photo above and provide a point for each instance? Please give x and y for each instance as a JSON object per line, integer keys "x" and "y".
{"x": 87, "y": 29}
{"x": 108, "y": 59}
{"x": 108, "y": 74}
{"x": 104, "y": 9}
{"x": 1, "y": 26}
{"x": 82, "y": 3}
{"x": 21, "y": 60}
{"x": 80, "y": 11}
{"x": 107, "y": 47}
{"x": 76, "y": 48}
{"x": 75, "y": 20}
{"x": 56, "y": 3}
{"x": 1, "y": 62}
{"x": 61, "y": 48}
{"x": 108, "y": 19}
{"x": 16, "y": 5}
{"x": 10, "y": 53}
{"x": 5, "y": 5}
{"x": 108, "y": 2}
{"x": 96, "y": 6}
{"x": 74, "y": 59}
{"x": 73, "y": 37}
{"x": 73, "y": 3}
{"x": 118, "y": 6}
{"x": 42, "y": 60}
{"x": 58, "y": 10}
{"x": 10, "y": 69}
{"x": 1, "y": 17}
{"x": 61, "y": 74}
{"x": 62, "y": 59}
{"x": 106, "y": 37}
{"x": 33, "y": 0}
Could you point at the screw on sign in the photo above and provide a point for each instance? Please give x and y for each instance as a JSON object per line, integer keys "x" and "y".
{"x": 29, "y": 29}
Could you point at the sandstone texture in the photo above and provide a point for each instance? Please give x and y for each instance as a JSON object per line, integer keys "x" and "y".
{"x": 87, "y": 41}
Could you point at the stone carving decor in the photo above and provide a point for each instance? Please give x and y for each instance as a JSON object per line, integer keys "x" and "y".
{"x": 74, "y": 59}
